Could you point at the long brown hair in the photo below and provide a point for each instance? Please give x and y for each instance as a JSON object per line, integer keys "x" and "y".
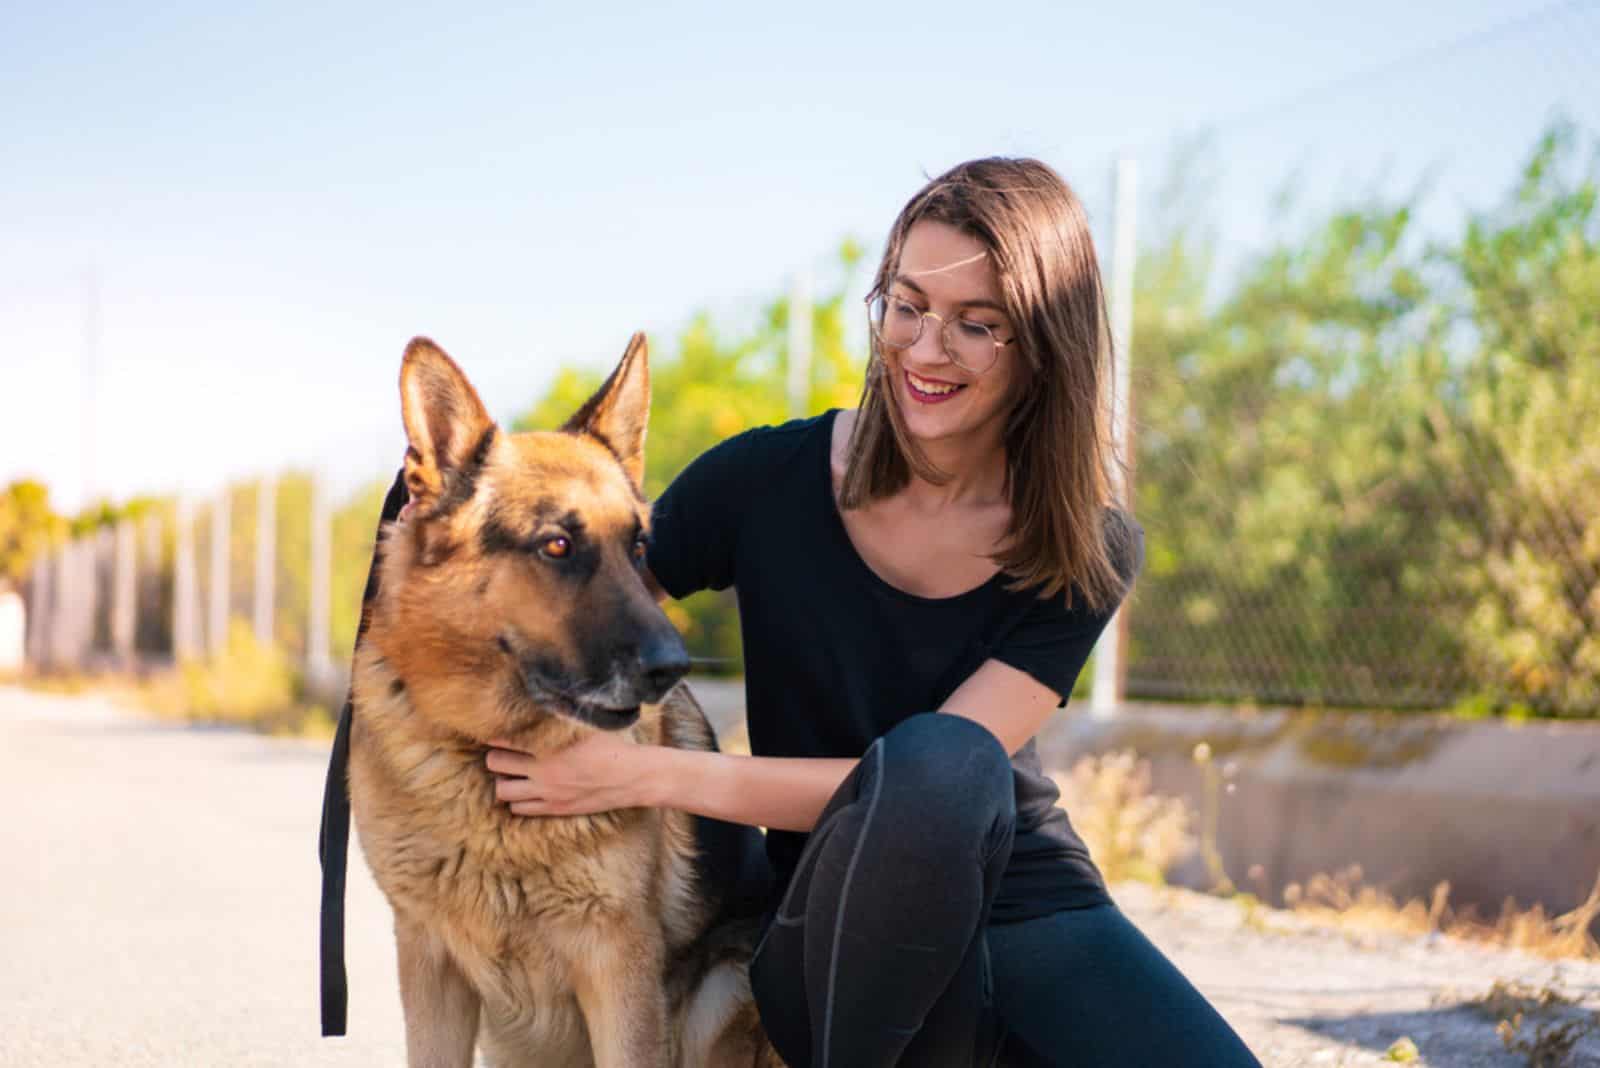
{"x": 1067, "y": 528}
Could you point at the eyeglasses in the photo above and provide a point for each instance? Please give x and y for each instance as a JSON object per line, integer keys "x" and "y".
{"x": 897, "y": 324}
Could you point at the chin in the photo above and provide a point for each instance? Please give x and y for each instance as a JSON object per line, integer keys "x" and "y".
{"x": 926, "y": 423}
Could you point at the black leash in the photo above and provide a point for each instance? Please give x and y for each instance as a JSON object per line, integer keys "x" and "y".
{"x": 333, "y": 840}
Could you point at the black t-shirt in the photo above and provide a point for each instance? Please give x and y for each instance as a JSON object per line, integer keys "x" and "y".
{"x": 835, "y": 656}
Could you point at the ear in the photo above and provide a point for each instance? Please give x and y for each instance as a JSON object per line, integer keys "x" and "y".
{"x": 620, "y": 410}
{"x": 447, "y": 426}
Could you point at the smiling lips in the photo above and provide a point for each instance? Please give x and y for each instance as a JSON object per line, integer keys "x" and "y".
{"x": 931, "y": 390}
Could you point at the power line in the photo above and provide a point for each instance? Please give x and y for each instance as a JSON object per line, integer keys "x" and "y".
{"x": 1377, "y": 71}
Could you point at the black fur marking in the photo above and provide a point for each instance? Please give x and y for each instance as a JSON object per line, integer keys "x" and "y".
{"x": 462, "y": 482}
{"x": 502, "y": 534}
{"x": 497, "y": 537}
{"x": 396, "y": 688}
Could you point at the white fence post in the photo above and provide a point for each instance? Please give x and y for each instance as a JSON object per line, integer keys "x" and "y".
{"x": 217, "y": 623}
{"x": 266, "y": 556}
{"x": 317, "y": 627}
{"x": 185, "y": 587}
{"x": 798, "y": 363}
{"x": 1111, "y": 652}
{"x": 124, "y": 594}
{"x": 41, "y": 598}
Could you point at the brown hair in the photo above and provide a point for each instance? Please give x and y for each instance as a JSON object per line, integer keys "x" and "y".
{"x": 1057, "y": 433}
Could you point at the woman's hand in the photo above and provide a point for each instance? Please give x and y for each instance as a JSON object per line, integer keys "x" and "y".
{"x": 598, "y": 773}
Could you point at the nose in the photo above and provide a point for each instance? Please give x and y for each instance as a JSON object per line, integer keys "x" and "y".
{"x": 929, "y": 348}
{"x": 662, "y": 662}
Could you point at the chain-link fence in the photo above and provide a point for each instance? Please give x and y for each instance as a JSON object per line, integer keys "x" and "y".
{"x": 1366, "y": 379}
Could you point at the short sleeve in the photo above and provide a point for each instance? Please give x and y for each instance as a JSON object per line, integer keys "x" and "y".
{"x": 1052, "y": 642}
{"x": 695, "y": 523}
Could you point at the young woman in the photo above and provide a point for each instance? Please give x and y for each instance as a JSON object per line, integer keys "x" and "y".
{"x": 920, "y": 582}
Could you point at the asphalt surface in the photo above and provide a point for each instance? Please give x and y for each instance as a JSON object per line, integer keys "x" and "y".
{"x": 158, "y": 897}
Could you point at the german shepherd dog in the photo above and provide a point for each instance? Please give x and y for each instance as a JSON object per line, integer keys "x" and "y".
{"x": 511, "y": 604}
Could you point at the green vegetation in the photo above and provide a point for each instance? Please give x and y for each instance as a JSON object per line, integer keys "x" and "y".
{"x": 1369, "y": 471}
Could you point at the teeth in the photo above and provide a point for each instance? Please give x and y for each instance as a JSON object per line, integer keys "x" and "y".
{"x": 924, "y": 386}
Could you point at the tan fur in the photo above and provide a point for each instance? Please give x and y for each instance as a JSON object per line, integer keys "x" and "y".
{"x": 549, "y": 941}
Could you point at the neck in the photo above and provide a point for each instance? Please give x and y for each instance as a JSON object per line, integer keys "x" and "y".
{"x": 975, "y": 464}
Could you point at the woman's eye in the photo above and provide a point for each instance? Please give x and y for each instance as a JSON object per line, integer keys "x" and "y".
{"x": 556, "y": 548}
{"x": 904, "y": 309}
{"x": 975, "y": 331}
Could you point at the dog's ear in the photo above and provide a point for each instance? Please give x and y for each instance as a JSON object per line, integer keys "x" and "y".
{"x": 447, "y": 426}
{"x": 619, "y": 411}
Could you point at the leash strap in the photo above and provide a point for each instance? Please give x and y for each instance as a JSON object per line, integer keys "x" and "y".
{"x": 333, "y": 839}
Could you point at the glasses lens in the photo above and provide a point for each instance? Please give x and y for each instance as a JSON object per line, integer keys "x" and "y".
{"x": 896, "y": 322}
{"x": 972, "y": 345}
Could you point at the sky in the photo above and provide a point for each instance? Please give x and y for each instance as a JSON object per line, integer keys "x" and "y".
{"x": 220, "y": 224}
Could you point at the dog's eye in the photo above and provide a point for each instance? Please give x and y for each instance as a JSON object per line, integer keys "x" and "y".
{"x": 556, "y": 548}
{"x": 640, "y": 545}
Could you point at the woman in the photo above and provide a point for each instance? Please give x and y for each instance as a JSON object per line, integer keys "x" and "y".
{"x": 920, "y": 582}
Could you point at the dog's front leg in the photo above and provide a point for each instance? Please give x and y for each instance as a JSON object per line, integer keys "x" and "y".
{"x": 625, "y": 1007}
{"x": 441, "y": 1009}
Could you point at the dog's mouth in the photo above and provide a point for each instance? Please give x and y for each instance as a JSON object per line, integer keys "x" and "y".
{"x": 554, "y": 692}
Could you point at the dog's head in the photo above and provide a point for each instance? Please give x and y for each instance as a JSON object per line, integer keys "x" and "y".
{"x": 512, "y": 582}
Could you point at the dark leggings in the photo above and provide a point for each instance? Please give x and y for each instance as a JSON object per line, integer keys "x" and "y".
{"x": 881, "y": 952}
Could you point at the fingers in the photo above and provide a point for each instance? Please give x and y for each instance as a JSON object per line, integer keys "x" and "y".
{"x": 509, "y": 762}
{"x": 507, "y": 789}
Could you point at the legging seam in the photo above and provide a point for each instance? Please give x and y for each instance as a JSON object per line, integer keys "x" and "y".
{"x": 876, "y": 751}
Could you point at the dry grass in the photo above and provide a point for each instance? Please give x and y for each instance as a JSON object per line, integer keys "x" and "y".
{"x": 1130, "y": 832}
{"x": 1543, "y": 1025}
{"x": 1341, "y": 900}
{"x": 248, "y": 684}
{"x": 1134, "y": 834}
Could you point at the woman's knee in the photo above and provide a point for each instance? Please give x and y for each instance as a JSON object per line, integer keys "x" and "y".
{"x": 949, "y": 772}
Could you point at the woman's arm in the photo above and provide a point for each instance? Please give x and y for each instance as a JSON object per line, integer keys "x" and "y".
{"x": 604, "y": 771}
{"x": 1011, "y": 703}
{"x": 783, "y": 793}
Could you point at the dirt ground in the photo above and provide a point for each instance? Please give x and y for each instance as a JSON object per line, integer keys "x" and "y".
{"x": 1302, "y": 994}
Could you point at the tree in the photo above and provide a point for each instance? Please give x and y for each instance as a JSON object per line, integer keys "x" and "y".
{"x": 28, "y": 526}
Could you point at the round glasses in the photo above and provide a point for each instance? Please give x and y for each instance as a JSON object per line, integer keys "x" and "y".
{"x": 897, "y": 324}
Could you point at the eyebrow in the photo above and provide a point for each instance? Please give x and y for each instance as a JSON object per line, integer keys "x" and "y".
{"x": 901, "y": 279}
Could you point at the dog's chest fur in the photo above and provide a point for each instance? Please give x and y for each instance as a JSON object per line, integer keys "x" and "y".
{"x": 515, "y": 901}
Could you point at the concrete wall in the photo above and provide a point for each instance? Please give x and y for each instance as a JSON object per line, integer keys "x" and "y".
{"x": 1496, "y": 808}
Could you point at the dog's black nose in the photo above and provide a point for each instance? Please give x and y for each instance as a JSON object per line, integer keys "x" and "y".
{"x": 662, "y": 662}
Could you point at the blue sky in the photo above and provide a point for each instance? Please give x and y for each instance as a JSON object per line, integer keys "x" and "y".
{"x": 272, "y": 200}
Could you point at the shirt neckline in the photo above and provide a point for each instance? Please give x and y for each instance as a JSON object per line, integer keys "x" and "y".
{"x": 842, "y": 535}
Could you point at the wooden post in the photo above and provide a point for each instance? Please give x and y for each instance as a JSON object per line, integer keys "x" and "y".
{"x": 40, "y": 604}
{"x": 798, "y": 364}
{"x": 217, "y": 623}
{"x": 185, "y": 591}
{"x": 149, "y": 585}
{"x": 266, "y": 556}
{"x": 124, "y": 594}
{"x": 1111, "y": 652}
{"x": 317, "y": 626}
{"x": 61, "y": 593}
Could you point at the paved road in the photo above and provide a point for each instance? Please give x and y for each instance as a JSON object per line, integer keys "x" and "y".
{"x": 158, "y": 906}
{"x": 158, "y": 901}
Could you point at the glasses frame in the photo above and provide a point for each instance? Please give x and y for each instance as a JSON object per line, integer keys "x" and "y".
{"x": 944, "y": 333}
